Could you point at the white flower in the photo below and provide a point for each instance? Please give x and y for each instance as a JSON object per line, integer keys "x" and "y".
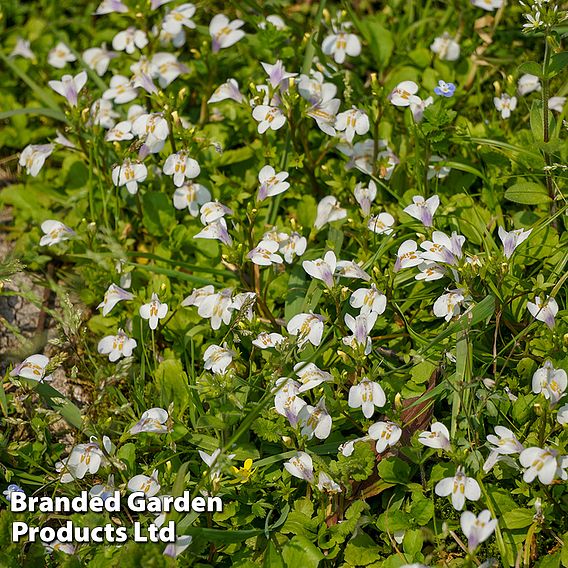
{"x": 505, "y": 104}
{"x": 527, "y": 84}
{"x": 228, "y": 90}
{"x": 33, "y": 157}
{"x": 550, "y": 382}
{"x": 546, "y": 464}
{"x": 460, "y": 487}
{"x": 33, "y": 367}
{"x": 266, "y": 340}
{"x": 430, "y": 271}
{"x": 268, "y": 117}
{"x": 315, "y": 420}
{"x": 69, "y": 86}
{"x": 353, "y": 121}
{"x": 216, "y": 230}
{"x": 152, "y": 420}
{"x": 325, "y": 483}
{"x": 214, "y": 463}
{"x": 274, "y": 20}
{"x": 130, "y": 39}
{"x": 294, "y": 245}
{"x": 437, "y": 169}
{"x": 544, "y": 310}
{"x": 512, "y": 239}
{"x": 417, "y": 107}
{"x": 368, "y": 300}
{"x": 116, "y": 346}
{"x": 174, "y": 549}
{"x": 129, "y": 174}
{"x": 562, "y": 415}
{"x": 191, "y": 196}
{"x": 556, "y": 103}
{"x": 213, "y": 211}
{"x": 153, "y": 311}
{"x": 444, "y": 249}
{"x": 477, "y": 529}
{"x": 328, "y": 210}
{"x": 446, "y": 47}
{"x": 350, "y": 269}
{"x": 243, "y": 304}
{"x": 55, "y": 232}
{"x": 308, "y": 328}
{"x": 365, "y": 196}
{"x": 347, "y": 448}
{"x": 265, "y": 253}
{"x": 324, "y": 113}
{"x": 340, "y": 44}
{"x": 224, "y": 33}
{"x": 314, "y": 90}
{"x": 167, "y": 68}
{"x": 216, "y": 307}
{"x": 404, "y": 94}
{"x": 277, "y": 75}
{"x": 448, "y": 305}
{"x": 489, "y": 5}
{"x": 381, "y": 223}
{"x": 179, "y": 18}
{"x": 423, "y": 209}
{"x": 438, "y": 437}
{"x": 505, "y": 443}
{"x": 310, "y": 376}
{"x": 181, "y": 166}
{"x": 98, "y": 59}
{"x": 112, "y": 296}
{"x": 322, "y": 268}
{"x": 121, "y": 90}
{"x": 60, "y": 55}
{"x": 407, "y": 255}
{"x": 83, "y": 459}
{"x": 198, "y": 295}
{"x": 22, "y": 48}
{"x": 366, "y": 395}
{"x": 218, "y": 358}
{"x": 301, "y": 466}
{"x": 147, "y": 485}
{"x": 110, "y": 6}
{"x": 286, "y": 400}
{"x": 387, "y": 434}
{"x": 153, "y": 129}
{"x": 360, "y": 327}
{"x": 271, "y": 183}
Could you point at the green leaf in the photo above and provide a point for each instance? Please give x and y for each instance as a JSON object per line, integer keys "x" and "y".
{"x": 62, "y": 405}
{"x": 159, "y": 215}
{"x": 272, "y": 558}
{"x": 557, "y": 63}
{"x": 301, "y": 552}
{"x": 528, "y": 193}
{"x": 361, "y": 551}
{"x": 220, "y": 535}
{"x": 43, "y": 111}
{"x": 380, "y": 40}
{"x": 517, "y": 519}
{"x": 413, "y": 542}
{"x": 173, "y": 385}
{"x": 394, "y": 470}
{"x": 531, "y": 67}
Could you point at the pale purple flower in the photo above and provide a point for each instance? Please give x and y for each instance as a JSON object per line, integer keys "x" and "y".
{"x": 544, "y": 310}
{"x": 423, "y": 209}
{"x": 512, "y": 239}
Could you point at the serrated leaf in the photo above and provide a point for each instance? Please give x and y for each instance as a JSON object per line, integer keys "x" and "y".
{"x": 527, "y": 193}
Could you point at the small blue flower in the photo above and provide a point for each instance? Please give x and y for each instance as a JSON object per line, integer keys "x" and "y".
{"x": 445, "y": 89}
{"x": 12, "y": 488}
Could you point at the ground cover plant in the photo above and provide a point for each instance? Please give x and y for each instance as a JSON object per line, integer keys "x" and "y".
{"x": 307, "y": 257}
